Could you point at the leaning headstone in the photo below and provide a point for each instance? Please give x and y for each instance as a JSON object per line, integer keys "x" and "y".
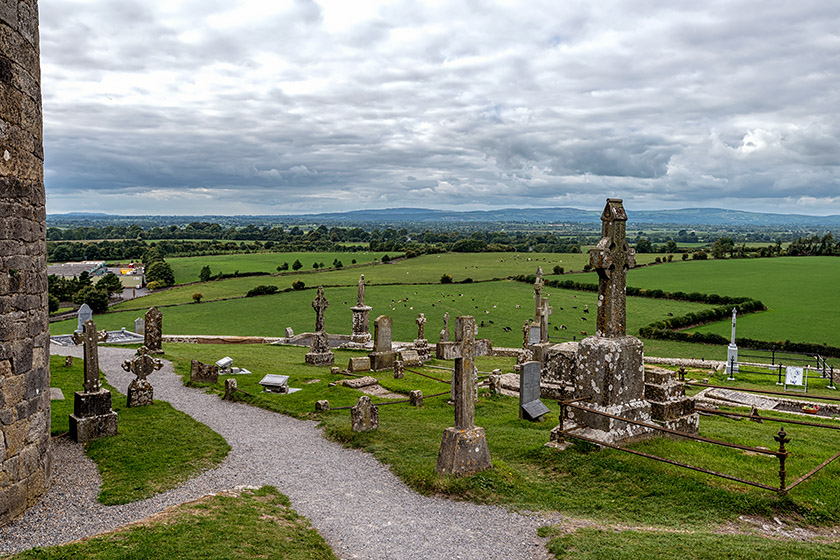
{"x": 203, "y": 373}
{"x": 399, "y": 372}
{"x": 320, "y": 353}
{"x": 230, "y": 388}
{"x": 463, "y": 449}
{"x": 361, "y": 316}
{"x": 415, "y": 397}
{"x": 92, "y": 416}
{"x": 530, "y": 406}
{"x": 140, "y": 325}
{"x": 84, "y": 315}
{"x": 383, "y": 355}
{"x": 140, "y": 391}
{"x": 153, "y": 331}
{"x": 364, "y": 415}
{"x": 359, "y": 364}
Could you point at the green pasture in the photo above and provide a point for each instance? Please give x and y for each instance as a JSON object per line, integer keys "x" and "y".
{"x": 500, "y": 309}
{"x": 426, "y": 269}
{"x": 609, "y": 486}
{"x": 801, "y": 293}
{"x": 186, "y": 269}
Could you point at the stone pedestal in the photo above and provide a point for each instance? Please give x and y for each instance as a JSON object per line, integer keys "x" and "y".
{"x": 92, "y": 416}
{"x": 382, "y": 360}
{"x": 361, "y": 324}
{"x": 424, "y": 351}
{"x": 669, "y": 407}
{"x": 319, "y": 351}
{"x": 731, "y": 360}
{"x": 611, "y": 371}
{"x": 463, "y": 452}
{"x": 140, "y": 393}
{"x": 559, "y": 372}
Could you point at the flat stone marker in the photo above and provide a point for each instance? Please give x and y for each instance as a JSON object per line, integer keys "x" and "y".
{"x": 364, "y": 416}
{"x": 359, "y": 382}
{"x": 530, "y": 406}
{"x": 275, "y": 383}
{"x": 410, "y": 358}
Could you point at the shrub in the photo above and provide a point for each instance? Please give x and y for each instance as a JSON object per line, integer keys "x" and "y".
{"x": 353, "y": 261}
{"x": 54, "y": 304}
{"x": 559, "y": 269}
{"x": 386, "y": 258}
{"x": 467, "y": 281}
{"x": 196, "y": 297}
{"x": 685, "y": 256}
{"x": 154, "y": 285}
{"x": 315, "y": 265}
{"x": 445, "y": 279}
{"x": 657, "y": 260}
{"x": 261, "y": 290}
{"x": 282, "y": 267}
{"x": 297, "y": 265}
{"x": 298, "y": 285}
{"x": 339, "y": 264}
{"x": 587, "y": 267}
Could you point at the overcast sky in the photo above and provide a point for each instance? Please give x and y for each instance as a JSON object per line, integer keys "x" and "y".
{"x": 299, "y": 106}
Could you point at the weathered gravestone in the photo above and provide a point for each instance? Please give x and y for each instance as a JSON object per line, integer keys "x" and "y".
{"x": 399, "y": 371}
{"x": 463, "y": 449}
{"x": 415, "y": 398}
{"x": 609, "y": 365}
{"x": 203, "y": 373}
{"x": 319, "y": 350}
{"x": 358, "y": 364}
{"x": 530, "y": 405}
{"x": 361, "y": 316}
{"x": 410, "y": 358}
{"x": 92, "y": 416}
{"x": 84, "y": 315}
{"x": 153, "y": 331}
{"x": 140, "y": 391}
{"x": 383, "y": 355}
{"x": 421, "y": 345}
{"x": 364, "y": 416}
{"x": 140, "y": 325}
{"x": 444, "y": 336}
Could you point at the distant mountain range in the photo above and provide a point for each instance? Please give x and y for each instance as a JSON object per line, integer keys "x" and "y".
{"x": 681, "y": 217}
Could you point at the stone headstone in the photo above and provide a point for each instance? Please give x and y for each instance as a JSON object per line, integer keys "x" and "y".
{"x": 383, "y": 355}
{"x": 359, "y": 364}
{"x": 530, "y": 405}
{"x": 732, "y": 349}
{"x": 495, "y": 382}
{"x": 91, "y": 339}
{"x": 140, "y": 391}
{"x": 399, "y": 372}
{"x": 320, "y": 353}
{"x": 92, "y": 416}
{"x": 321, "y": 406}
{"x": 361, "y": 316}
{"x": 410, "y": 358}
{"x": 230, "y": 388}
{"x": 140, "y": 325}
{"x": 153, "y": 331}
{"x": 364, "y": 415}
{"x": 463, "y": 449}
{"x": 290, "y": 333}
{"x": 84, "y": 315}
{"x": 203, "y": 373}
{"x": 68, "y": 361}
{"x": 415, "y": 398}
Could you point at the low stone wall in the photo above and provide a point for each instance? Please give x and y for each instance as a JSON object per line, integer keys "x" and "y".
{"x": 686, "y": 362}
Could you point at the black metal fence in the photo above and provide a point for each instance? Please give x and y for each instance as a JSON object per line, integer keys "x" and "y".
{"x": 773, "y": 362}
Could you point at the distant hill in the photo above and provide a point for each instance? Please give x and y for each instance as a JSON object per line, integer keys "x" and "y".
{"x": 681, "y": 217}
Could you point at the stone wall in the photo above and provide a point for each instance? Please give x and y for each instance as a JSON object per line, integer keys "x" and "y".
{"x": 25, "y": 457}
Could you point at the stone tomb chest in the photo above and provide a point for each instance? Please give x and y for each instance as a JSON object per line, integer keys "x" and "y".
{"x": 277, "y": 384}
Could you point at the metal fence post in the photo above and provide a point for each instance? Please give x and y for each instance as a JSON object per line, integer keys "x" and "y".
{"x": 782, "y": 455}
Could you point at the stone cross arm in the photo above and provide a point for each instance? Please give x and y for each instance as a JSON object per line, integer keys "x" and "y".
{"x": 454, "y": 350}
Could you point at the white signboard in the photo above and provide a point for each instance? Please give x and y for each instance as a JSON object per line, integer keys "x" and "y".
{"x": 794, "y": 375}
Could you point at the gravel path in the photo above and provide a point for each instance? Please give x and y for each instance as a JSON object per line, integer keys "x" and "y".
{"x": 356, "y": 503}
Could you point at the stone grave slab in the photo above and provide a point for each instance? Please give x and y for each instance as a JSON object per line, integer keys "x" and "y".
{"x": 410, "y": 358}
{"x": 359, "y": 382}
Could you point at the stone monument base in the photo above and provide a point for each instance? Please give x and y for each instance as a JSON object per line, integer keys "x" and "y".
{"x": 83, "y": 430}
{"x": 320, "y": 358}
{"x": 361, "y": 339}
{"x": 463, "y": 452}
{"x": 608, "y": 430}
{"x": 140, "y": 393}
{"x": 382, "y": 360}
{"x": 669, "y": 407}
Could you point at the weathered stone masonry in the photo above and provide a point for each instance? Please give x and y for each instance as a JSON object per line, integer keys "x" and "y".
{"x": 25, "y": 457}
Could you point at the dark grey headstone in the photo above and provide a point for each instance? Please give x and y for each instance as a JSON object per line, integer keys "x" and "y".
{"x": 530, "y": 406}
{"x": 534, "y": 410}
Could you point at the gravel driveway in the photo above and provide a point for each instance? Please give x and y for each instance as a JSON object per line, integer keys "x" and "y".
{"x": 356, "y": 503}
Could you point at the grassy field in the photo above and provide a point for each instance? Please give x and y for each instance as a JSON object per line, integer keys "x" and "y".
{"x": 800, "y": 292}
{"x": 157, "y": 447}
{"x": 494, "y": 304}
{"x": 607, "y": 486}
{"x": 253, "y": 524}
{"x": 186, "y": 269}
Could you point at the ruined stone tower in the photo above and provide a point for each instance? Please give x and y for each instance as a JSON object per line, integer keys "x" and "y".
{"x": 25, "y": 457}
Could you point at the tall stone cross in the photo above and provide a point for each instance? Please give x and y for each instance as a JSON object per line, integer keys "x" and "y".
{"x": 320, "y": 304}
{"x": 464, "y": 350}
{"x": 143, "y": 364}
{"x": 538, "y": 288}
{"x": 91, "y": 340}
{"x": 360, "y": 296}
{"x": 444, "y": 334}
{"x": 611, "y": 258}
{"x": 421, "y": 323}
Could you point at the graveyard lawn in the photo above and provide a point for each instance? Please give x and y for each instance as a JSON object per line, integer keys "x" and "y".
{"x": 253, "y": 524}
{"x": 157, "y": 447}
{"x": 500, "y": 308}
{"x": 609, "y": 486}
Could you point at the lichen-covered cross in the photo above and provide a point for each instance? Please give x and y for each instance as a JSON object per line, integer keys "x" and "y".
{"x": 421, "y": 323}
{"x": 142, "y": 365}
{"x": 611, "y": 258}
{"x": 464, "y": 350}
{"x": 320, "y": 304}
{"x": 91, "y": 339}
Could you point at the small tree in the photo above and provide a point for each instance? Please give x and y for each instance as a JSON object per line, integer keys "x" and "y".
{"x": 445, "y": 279}
{"x": 205, "y": 273}
{"x": 315, "y": 265}
{"x": 282, "y": 267}
{"x": 353, "y": 261}
{"x": 298, "y": 285}
{"x": 297, "y": 265}
{"x": 54, "y": 304}
{"x": 558, "y": 269}
{"x": 96, "y": 298}
{"x": 110, "y": 283}
{"x": 196, "y": 297}
{"x": 386, "y": 258}
{"x": 161, "y": 273}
